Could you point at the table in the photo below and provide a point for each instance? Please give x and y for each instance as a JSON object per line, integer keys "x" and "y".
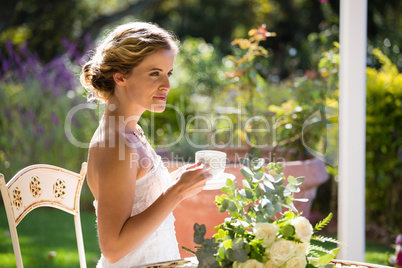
{"x": 192, "y": 263}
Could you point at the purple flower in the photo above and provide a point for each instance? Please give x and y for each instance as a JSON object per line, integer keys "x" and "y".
{"x": 54, "y": 119}
{"x": 323, "y": 1}
{"x": 9, "y": 47}
{"x": 5, "y": 66}
{"x": 398, "y": 240}
{"x": 7, "y": 113}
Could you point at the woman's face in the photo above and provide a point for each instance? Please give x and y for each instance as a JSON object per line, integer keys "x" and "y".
{"x": 147, "y": 86}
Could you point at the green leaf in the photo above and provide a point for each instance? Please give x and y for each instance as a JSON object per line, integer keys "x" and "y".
{"x": 221, "y": 252}
{"x": 247, "y": 173}
{"x": 199, "y": 232}
{"x": 278, "y": 208}
{"x": 237, "y": 244}
{"x": 319, "y": 226}
{"x": 227, "y": 243}
{"x": 278, "y": 179}
{"x": 327, "y": 258}
{"x": 259, "y": 175}
{"x": 299, "y": 180}
{"x": 249, "y": 194}
{"x": 245, "y": 162}
{"x": 232, "y": 206}
{"x": 240, "y": 255}
{"x": 254, "y": 153}
{"x": 229, "y": 255}
{"x": 291, "y": 206}
{"x": 326, "y": 239}
{"x": 258, "y": 193}
{"x": 287, "y": 230}
{"x": 221, "y": 234}
{"x": 257, "y": 163}
{"x": 246, "y": 184}
{"x": 293, "y": 188}
{"x": 268, "y": 186}
{"x": 292, "y": 180}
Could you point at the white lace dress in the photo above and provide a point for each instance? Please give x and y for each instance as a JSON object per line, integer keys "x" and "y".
{"x": 162, "y": 244}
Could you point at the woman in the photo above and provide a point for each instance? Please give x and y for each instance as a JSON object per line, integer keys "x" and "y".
{"x": 134, "y": 193}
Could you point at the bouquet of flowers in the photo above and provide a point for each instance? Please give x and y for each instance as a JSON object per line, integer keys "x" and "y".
{"x": 259, "y": 232}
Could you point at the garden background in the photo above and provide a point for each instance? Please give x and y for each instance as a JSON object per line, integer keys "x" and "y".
{"x": 291, "y": 75}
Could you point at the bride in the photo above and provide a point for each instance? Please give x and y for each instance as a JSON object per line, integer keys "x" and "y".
{"x": 134, "y": 193}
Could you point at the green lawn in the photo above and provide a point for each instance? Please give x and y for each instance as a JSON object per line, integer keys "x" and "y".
{"x": 48, "y": 230}
{"x": 378, "y": 253}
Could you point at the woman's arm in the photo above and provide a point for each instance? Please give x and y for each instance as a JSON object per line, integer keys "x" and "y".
{"x": 119, "y": 233}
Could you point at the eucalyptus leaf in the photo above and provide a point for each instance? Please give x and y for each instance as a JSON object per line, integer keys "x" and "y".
{"x": 293, "y": 188}
{"x": 249, "y": 194}
{"x": 278, "y": 179}
{"x": 227, "y": 190}
{"x": 240, "y": 255}
{"x": 246, "y": 172}
{"x": 257, "y": 163}
{"x": 269, "y": 185}
{"x": 301, "y": 199}
{"x": 245, "y": 162}
{"x": 292, "y": 206}
{"x": 225, "y": 204}
{"x": 259, "y": 175}
{"x": 287, "y": 192}
{"x": 232, "y": 206}
{"x": 258, "y": 193}
{"x": 271, "y": 211}
{"x": 287, "y": 230}
{"x": 292, "y": 180}
{"x": 237, "y": 244}
{"x": 229, "y": 254}
{"x": 278, "y": 208}
{"x": 299, "y": 180}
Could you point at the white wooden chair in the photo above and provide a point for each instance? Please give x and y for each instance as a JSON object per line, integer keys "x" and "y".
{"x": 38, "y": 186}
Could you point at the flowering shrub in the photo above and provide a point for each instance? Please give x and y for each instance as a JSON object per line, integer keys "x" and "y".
{"x": 259, "y": 232}
{"x": 245, "y": 77}
{"x": 35, "y": 98}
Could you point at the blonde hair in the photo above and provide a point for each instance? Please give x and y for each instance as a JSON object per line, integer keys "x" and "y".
{"x": 122, "y": 50}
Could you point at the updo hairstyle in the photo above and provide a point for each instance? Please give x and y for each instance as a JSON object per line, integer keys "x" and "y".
{"x": 122, "y": 50}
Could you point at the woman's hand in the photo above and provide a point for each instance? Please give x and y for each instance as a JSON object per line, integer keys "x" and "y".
{"x": 192, "y": 181}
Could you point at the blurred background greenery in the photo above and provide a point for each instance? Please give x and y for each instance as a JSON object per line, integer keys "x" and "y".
{"x": 44, "y": 43}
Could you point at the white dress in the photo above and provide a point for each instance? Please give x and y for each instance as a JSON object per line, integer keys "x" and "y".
{"x": 162, "y": 244}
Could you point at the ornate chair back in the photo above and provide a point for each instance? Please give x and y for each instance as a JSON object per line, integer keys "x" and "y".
{"x": 43, "y": 186}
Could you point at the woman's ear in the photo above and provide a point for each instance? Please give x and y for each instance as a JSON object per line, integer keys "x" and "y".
{"x": 119, "y": 79}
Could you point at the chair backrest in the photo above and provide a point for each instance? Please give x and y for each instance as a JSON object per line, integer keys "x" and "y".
{"x": 38, "y": 186}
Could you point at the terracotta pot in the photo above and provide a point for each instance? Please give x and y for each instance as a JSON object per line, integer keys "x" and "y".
{"x": 201, "y": 208}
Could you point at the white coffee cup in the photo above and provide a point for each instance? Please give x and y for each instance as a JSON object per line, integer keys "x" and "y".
{"x": 215, "y": 159}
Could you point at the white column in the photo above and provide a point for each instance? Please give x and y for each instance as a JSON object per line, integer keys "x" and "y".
{"x": 352, "y": 129}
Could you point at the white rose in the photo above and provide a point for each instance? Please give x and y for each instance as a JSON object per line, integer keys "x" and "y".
{"x": 302, "y": 247}
{"x": 266, "y": 231}
{"x": 250, "y": 263}
{"x": 297, "y": 261}
{"x": 303, "y": 227}
{"x": 281, "y": 251}
{"x": 270, "y": 264}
